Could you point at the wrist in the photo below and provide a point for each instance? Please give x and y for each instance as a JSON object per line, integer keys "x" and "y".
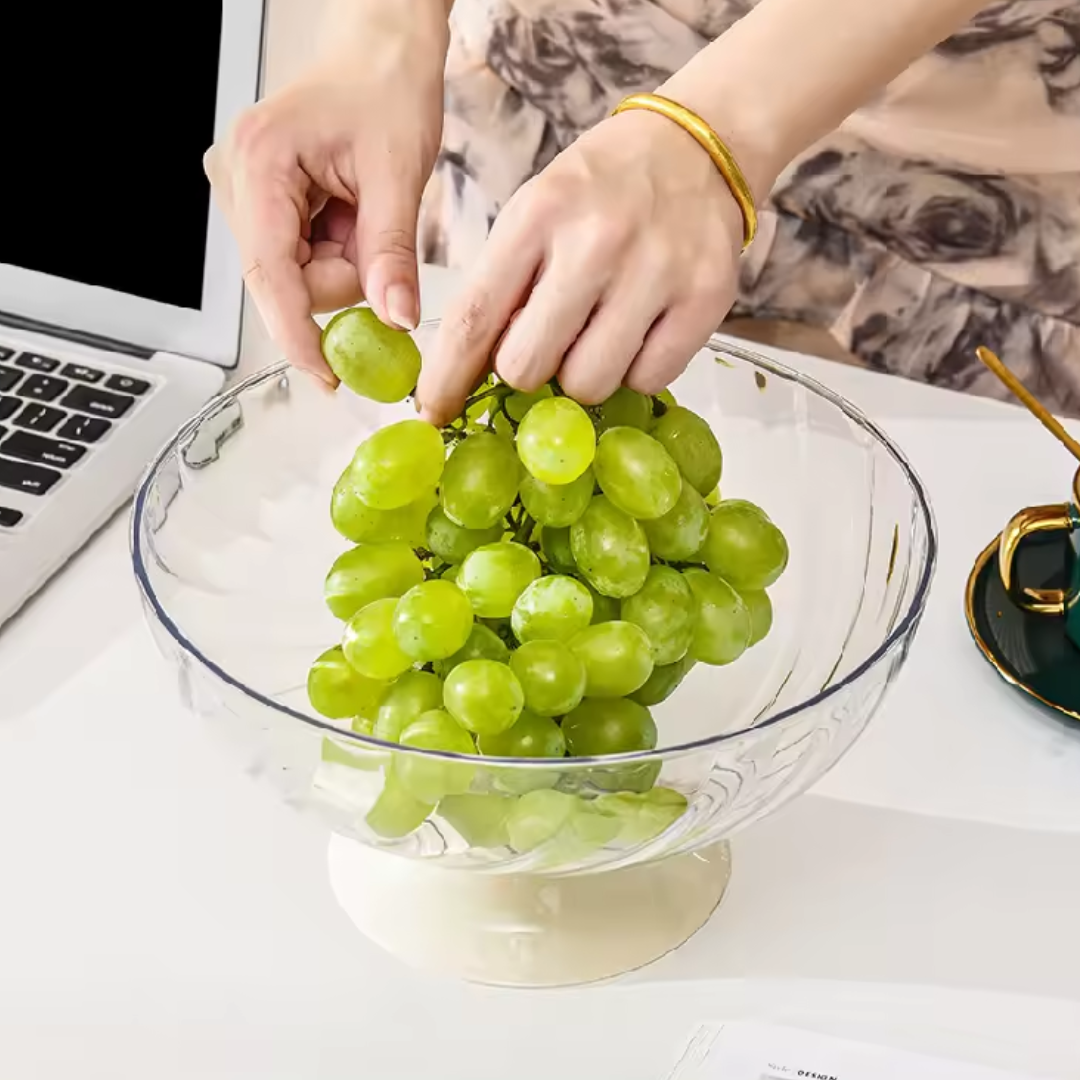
{"x": 417, "y": 28}
{"x": 747, "y": 122}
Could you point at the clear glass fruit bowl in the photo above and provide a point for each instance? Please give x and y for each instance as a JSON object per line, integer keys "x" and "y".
{"x": 232, "y": 538}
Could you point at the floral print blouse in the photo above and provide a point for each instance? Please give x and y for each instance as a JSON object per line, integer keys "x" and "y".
{"x": 943, "y": 215}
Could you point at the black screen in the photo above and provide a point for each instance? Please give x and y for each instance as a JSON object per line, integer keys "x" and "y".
{"x": 105, "y": 113}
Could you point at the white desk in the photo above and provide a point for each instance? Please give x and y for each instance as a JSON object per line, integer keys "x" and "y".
{"x": 161, "y": 916}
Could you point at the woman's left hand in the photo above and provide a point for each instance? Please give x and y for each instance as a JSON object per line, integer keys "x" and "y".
{"x": 612, "y": 267}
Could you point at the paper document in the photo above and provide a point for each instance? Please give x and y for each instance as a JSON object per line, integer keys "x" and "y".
{"x": 744, "y": 1051}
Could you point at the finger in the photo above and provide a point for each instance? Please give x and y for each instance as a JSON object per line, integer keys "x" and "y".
{"x": 331, "y": 283}
{"x": 674, "y": 340}
{"x": 269, "y": 215}
{"x": 596, "y": 363}
{"x": 218, "y": 175}
{"x": 386, "y": 248}
{"x": 558, "y": 307}
{"x": 479, "y": 316}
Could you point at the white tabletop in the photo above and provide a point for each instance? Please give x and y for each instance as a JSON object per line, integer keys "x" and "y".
{"x": 163, "y": 916}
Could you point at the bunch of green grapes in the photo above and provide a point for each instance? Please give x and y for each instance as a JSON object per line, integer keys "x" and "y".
{"x": 526, "y": 583}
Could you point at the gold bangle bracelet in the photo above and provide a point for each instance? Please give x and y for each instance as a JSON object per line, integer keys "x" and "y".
{"x": 711, "y": 143}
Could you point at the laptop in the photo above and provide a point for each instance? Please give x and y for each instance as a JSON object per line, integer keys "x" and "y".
{"x": 120, "y": 287}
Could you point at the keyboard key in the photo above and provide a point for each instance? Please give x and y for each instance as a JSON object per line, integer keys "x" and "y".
{"x": 36, "y": 362}
{"x": 41, "y": 451}
{"x": 9, "y": 406}
{"x": 82, "y": 373}
{"x": 84, "y": 428}
{"x": 6, "y": 353}
{"x": 42, "y": 388}
{"x": 8, "y": 379}
{"x": 127, "y": 385}
{"x": 90, "y": 399}
{"x": 9, "y": 518}
{"x": 3, "y": 431}
{"x": 38, "y": 418}
{"x": 22, "y": 476}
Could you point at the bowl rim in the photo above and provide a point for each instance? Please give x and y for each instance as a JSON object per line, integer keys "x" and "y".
{"x": 719, "y": 346}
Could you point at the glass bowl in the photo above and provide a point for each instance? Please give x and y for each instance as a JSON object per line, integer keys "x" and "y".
{"x": 231, "y": 540}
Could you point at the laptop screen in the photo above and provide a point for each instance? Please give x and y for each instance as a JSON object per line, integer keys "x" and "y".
{"x": 104, "y": 119}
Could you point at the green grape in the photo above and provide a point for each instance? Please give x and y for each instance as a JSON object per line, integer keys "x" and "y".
{"x": 745, "y": 504}
{"x": 396, "y": 812}
{"x": 369, "y": 643}
{"x": 452, "y": 542}
{"x": 532, "y": 736}
{"x": 483, "y": 696}
{"x": 667, "y": 397}
{"x": 398, "y": 464}
{"x": 480, "y": 819}
{"x": 637, "y": 778}
{"x": 538, "y": 816}
{"x": 414, "y": 693}
{"x": 370, "y": 572}
{"x": 433, "y": 620}
{"x": 495, "y": 575}
{"x": 625, "y": 408}
{"x": 351, "y": 756}
{"x": 692, "y": 444}
{"x": 585, "y": 831}
{"x": 362, "y": 725}
{"x": 643, "y": 817}
{"x": 744, "y": 547}
{"x": 556, "y": 440}
{"x": 557, "y": 505}
{"x": 617, "y": 657}
{"x": 713, "y": 498}
{"x": 663, "y": 682}
{"x": 604, "y": 608}
{"x": 519, "y": 403}
{"x": 679, "y": 534}
{"x": 761, "y": 614}
{"x": 361, "y": 524}
{"x": 614, "y": 726}
{"x": 555, "y": 607}
{"x": 636, "y": 473}
{"x": 481, "y": 481}
{"x": 369, "y": 357}
{"x": 428, "y": 778}
{"x": 555, "y": 544}
{"x": 722, "y": 632}
{"x": 503, "y": 427}
{"x": 337, "y": 691}
{"x": 552, "y": 677}
{"x": 664, "y": 607}
{"x": 483, "y": 644}
{"x": 610, "y": 549}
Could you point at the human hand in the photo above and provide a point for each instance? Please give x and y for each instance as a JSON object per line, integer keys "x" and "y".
{"x": 613, "y": 266}
{"x": 321, "y": 182}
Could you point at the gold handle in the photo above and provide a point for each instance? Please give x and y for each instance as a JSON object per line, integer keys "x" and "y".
{"x": 1034, "y": 519}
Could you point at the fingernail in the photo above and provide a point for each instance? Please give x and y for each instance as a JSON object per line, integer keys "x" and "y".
{"x": 401, "y": 307}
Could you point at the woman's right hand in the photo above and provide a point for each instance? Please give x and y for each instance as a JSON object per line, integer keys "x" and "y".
{"x": 321, "y": 182}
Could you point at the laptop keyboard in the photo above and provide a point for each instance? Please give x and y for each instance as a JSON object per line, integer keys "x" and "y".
{"x": 51, "y": 416}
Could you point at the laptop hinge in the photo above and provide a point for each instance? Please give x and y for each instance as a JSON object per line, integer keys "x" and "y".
{"x": 79, "y": 337}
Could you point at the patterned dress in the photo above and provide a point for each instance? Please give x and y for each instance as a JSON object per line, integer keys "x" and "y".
{"x": 943, "y": 215}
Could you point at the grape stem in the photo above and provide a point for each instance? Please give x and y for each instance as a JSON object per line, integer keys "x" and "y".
{"x": 502, "y": 389}
{"x": 525, "y": 528}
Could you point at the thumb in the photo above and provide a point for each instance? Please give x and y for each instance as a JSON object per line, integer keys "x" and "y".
{"x": 386, "y": 251}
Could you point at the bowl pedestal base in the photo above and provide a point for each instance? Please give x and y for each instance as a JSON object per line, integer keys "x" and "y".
{"x": 527, "y": 930}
